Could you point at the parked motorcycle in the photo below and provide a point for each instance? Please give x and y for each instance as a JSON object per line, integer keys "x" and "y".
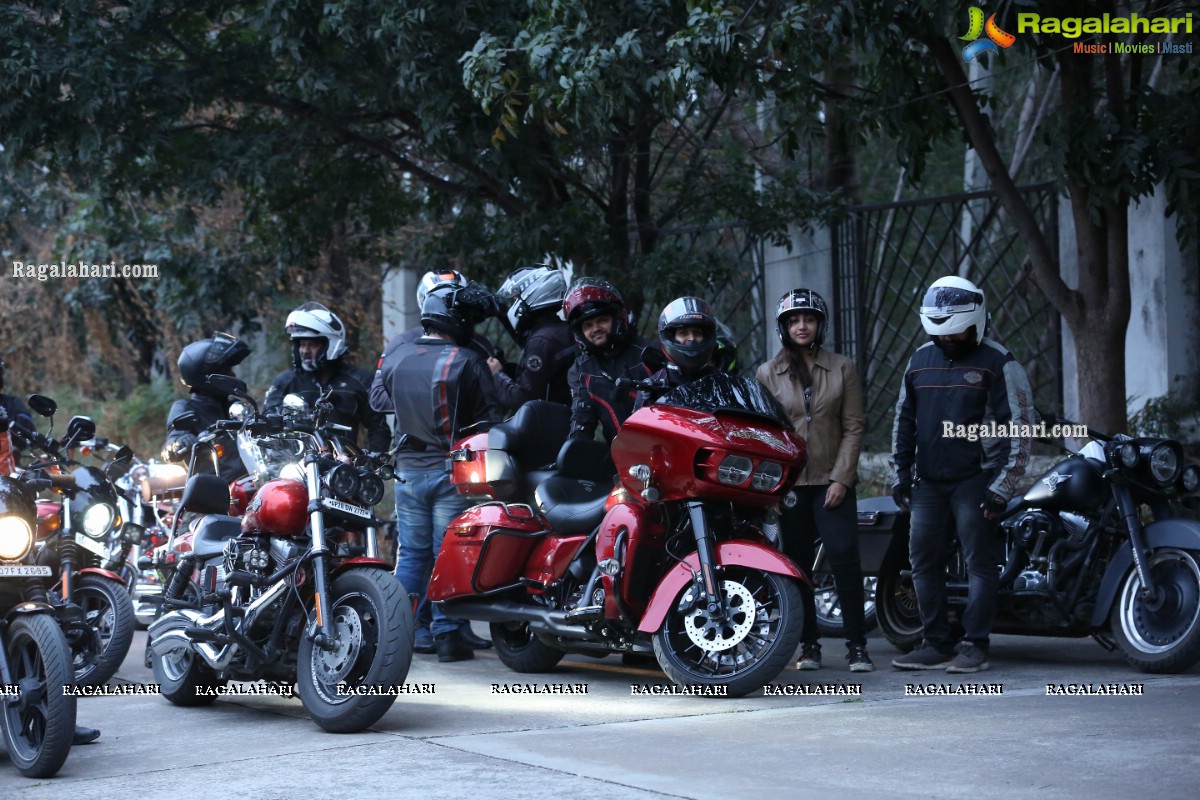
{"x": 38, "y": 720}
{"x": 1080, "y": 561}
{"x": 673, "y": 560}
{"x": 77, "y": 534}
{"x": 292, "y": 591}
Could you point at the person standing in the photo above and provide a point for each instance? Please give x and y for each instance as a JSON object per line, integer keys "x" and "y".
{"x": 438, "y": 387}
{"x": 821, "y": 393}
{"x": 964, "y": 378}
{"x": 535, "y": 297}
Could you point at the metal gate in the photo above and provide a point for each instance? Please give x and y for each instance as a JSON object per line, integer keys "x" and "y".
{"x": 886, "y": 255}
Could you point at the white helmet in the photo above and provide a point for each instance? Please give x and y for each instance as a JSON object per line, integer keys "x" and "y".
{"x": 315, "y": 321}
{"x": 953, "y": 305}
{"x": 531, "y": 289}
{"x": 434, "y": 278}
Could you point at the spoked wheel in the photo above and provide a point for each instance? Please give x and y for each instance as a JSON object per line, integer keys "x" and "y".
{"x": 521, "y": 651}
{"x": 896, "y": 604}
{"x": 40, "y": 721}
{"x": 343, "y": 686}
{"x": 829, "y": 605}
{"x": 745, "y": 649}
{"x": 1161, "y": 633}
{"x": 98, "y": 650}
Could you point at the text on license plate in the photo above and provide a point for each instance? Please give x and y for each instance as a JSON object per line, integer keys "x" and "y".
{"x": 12, "y": 570}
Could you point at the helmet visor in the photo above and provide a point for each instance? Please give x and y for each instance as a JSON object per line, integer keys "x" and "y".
{"x": 942, "y": 301}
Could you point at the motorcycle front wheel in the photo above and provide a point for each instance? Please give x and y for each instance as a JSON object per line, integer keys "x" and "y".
{"x": 343, "y": 688}
{"x": 108, "y": 614}
{"x": 742, "y": 652}
{"x": 896, "y": 604}
{"x": 40, "y": 723}
{"x": 1162, "y": 633}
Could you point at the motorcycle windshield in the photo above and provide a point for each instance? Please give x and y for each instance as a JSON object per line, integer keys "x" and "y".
{"x": 728, "y": 394}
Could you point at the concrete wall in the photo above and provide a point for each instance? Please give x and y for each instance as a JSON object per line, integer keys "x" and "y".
{"x": 400, "y": 310}
{"x": 808, "y": 265}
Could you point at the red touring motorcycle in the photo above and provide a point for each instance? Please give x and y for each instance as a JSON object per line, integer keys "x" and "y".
{"x": 673, "y": 559}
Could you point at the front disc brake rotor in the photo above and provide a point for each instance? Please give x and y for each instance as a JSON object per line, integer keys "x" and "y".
{"x": 335, "y": 664}
{"x": 715, "y": 635}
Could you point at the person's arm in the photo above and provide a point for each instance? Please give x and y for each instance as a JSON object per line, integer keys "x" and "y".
{"x": 1011, "y": 401}
{"x": 533, "y": 374}
{"x": 583, "y": 414}
{"x": 853, "y": 423}
{"x": 904, "y": 441}
{"x": 377, "y": 395}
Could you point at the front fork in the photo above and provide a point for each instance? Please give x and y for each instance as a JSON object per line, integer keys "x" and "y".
{"x": 1128, "y": 509}
{"x": 706, "y": 554}
{"x": 325, "y": 638}
{"x": 66, "y": 552}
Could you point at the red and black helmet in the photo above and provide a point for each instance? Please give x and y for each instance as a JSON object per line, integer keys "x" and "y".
{"x": 593, "y": 297}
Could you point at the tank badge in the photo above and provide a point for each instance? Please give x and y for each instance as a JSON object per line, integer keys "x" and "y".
{"x": 1054, "y": 479}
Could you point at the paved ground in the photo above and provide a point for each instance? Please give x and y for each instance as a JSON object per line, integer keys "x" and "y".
{"x": 467, "y": 740}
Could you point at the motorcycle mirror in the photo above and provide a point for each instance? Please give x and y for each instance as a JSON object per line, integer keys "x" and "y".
{"x": 653, "y": 358}
{"x": 42, "y": 405}
{"x": 80, "y": 428}
{"x": 234, "y": 388}
{"x": 120, "y": 464}
{"x": 185, "y": 422}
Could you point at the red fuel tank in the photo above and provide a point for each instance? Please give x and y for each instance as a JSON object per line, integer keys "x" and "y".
{"x": 279, "y": 508}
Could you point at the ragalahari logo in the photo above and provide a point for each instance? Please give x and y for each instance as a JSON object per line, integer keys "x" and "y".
{"x": 996, "y": 38}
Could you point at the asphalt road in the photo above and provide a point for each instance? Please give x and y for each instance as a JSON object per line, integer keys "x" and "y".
{"x": 470, "y": 737}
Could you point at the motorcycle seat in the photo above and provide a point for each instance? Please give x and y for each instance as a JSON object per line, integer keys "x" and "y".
{"x": 533, "y": 435}
{"x": 571, "y": 506}
{"x": 212, "y": 532}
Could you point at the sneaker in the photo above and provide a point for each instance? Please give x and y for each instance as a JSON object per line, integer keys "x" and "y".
{"x": 924, "y": 657}
{"x": 859, "y": 660}
{"x": 810, "y": 656}
{"x": 970, "y": 658}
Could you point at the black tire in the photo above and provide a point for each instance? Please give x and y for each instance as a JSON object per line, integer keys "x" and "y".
{"x": 183, "y": 678}
{"x": 39, "y": 727}
{"x": 746, "y": 651}
{"x": 108, "y": 611}
{"x": 896, "y": 606}
{"x": 829, "y": 606}
{"x": 1163, "y": 635}
{"x": 374, "y": 619}
{"x": 521, "y": 651}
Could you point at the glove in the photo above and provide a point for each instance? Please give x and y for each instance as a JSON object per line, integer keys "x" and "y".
{"x": 993, "y": 505}
{"x": 179, "y": 449}
{"x": 902, "y": 495}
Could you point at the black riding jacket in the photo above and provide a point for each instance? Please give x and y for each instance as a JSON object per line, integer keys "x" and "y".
{"x": 595, "y": 398}
{"x": 207, "y": 410}
{"x": 542, "y": 372}
{"x": 344, "y": 378}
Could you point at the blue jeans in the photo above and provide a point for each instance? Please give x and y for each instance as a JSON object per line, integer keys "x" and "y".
{"x": 937, "y": 508}
{"x": 426, "y": 502}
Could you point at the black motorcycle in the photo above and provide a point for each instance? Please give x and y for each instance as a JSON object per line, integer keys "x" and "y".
{"x": 1080, "y": 559}
{"x": 37, "y": 715}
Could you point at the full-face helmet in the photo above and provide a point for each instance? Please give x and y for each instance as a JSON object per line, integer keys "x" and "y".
{"x": 687, "y": 312}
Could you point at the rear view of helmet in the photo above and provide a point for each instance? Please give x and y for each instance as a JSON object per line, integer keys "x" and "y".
{"x": 801, "y": 301}
{"x": 456, "y": 310}
{"x": 315, "y": 321}
{"x": 530, "y": 290}
{"x": 688, "y": 312}
{"x": 216, "y": 355}
{"x": 589, "y": 298}
{"x": 434, "y": 278}
{"x": 954, "y": 305}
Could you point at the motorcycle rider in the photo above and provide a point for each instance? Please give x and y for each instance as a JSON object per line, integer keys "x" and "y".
{"x": 535, "y": 296}
{"x": 438, "y": 386}
{"x": 216, "y": 355}
{"x": 687, "y": 334}
{"x": 318, "y": 340}
{"x": 11, "y": 407}
{"x": 821, "y": 393}
{"x": 960, "y": 377}
{"x": 609, "y": 350}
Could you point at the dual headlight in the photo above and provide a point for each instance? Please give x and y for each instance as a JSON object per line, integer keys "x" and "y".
{"x": 1161, "y": 461}
{"x": 16, "y": 537}
{"x": 735, "y": 470}
{"x": 362, "y": 486}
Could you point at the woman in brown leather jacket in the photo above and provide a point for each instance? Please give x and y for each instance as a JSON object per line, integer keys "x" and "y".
{"x": 822, "y": 395}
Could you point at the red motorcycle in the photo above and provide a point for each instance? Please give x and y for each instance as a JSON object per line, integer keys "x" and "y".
{"x": 672, "y": 560}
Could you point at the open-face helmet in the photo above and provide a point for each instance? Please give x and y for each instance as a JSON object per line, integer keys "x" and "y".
{"x": 594, "y": 297}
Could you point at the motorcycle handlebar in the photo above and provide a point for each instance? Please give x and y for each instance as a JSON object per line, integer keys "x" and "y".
{"x": 643, "y": 384}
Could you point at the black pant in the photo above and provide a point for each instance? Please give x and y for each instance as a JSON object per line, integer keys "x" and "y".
{"x": 838, "y": 531}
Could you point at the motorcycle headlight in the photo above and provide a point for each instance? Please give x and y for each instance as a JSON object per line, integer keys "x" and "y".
{"x": 734, "y": 470}
{"x": 1164, "y": 464}
{"x": 16, "y": 537}
{"x": 1189, "y": 481}
{"x": 767, "y": 476}
{"x": 1127, "y": 454}
{"x": 370, "y": 489}
{"x": 342, "y": 481}
{"x": 98, "y": 519}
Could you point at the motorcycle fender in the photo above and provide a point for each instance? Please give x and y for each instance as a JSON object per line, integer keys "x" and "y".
{"x": 361, "y": 561}
{"x": 28, "y": 607}
{"x": 745, "y": 554}
{"x": 103, "y": 573}
{"x": 1181, "y": 533}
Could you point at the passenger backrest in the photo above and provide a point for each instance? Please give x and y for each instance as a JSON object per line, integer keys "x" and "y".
{"x": 534, "y": 434}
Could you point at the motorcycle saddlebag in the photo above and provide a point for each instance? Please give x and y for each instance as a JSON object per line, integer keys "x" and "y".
{"x": 484, "y": 550}
{"x": 879, "y": 518}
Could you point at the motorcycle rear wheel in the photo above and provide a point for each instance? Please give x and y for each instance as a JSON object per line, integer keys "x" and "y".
{"x": 1161, "y": 635}
{"x": 38, "y": 727}
{"x": 373, "y": 619}
{"x": 746, "y": 650}
{"x": 896, "y": 604}
{"x": 521, "y": 651}
{"x": 829, "y": 605}
{"x": 108, "y": 611}
{"x": 184, "y": 679}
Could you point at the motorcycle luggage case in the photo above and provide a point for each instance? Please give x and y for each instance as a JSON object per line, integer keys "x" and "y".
{"x": 484, "y": 550}
{"x": 878, "y": 519}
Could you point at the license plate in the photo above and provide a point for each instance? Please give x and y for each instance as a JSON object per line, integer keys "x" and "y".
{"x": 21, "y": 570}
{"x": 346, "y": 508}
{"x": 87, "y": 543}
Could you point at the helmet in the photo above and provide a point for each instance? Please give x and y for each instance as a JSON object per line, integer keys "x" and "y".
{"x": 315, "y": 321}
{"x": 429, "y": 280}
{"x": 953, "y": 305}
{"x": 593, "y": 297}
{"x": 684, "y": 312}
{"x": 456, "y": 310}
{"x": 531, "y": 289}
{"x": 216, "y": 355}
{"x": 726, "y": 355}
{"x": 804, "y": 301}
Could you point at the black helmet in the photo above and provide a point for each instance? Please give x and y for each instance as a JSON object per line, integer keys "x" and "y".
{"x": 456, "y": 310}
{"x": 593, "y": 297}
{"x": 688, "y": 312}
{"x": 801, "y": 301}
{"x": 216, "y": 355}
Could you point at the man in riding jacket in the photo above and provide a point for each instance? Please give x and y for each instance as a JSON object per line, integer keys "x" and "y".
{"x": 960, "y": 378}
{"x": 438, "y": 387}
{"x": 535, "y": 297}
